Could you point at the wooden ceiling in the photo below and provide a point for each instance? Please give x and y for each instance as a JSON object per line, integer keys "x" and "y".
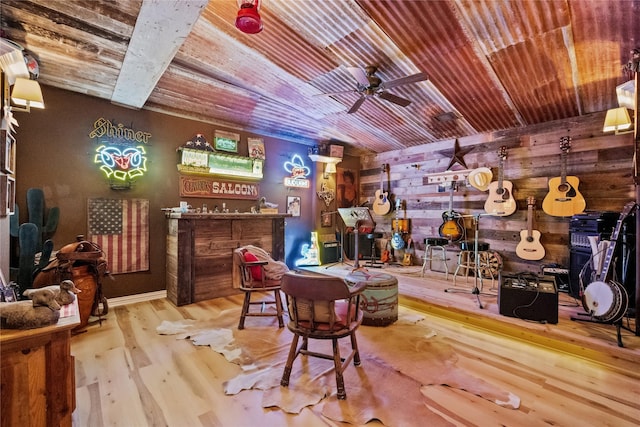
{"x": 492, "y": 65}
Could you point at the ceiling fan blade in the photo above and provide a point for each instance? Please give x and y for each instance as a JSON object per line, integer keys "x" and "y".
{"x": 357, "y": 105}
{"x": 405, "y": 80}
{"x": 395, "y": 99}
{"x": 336, "y": 93}
{"x": 359, "y": 75}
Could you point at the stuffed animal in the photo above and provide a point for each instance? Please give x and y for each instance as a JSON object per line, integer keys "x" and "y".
{"x": 42, "y": 310}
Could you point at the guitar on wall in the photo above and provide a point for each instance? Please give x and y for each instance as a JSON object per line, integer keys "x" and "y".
{"x": 500, "y": 201}
{"x": 529, "y": 247}
{"x": 397, "y": 241}
{"x": 564, "y": 198}
{"x": 382, "y": 205}
{"x": 605, "y": 299}
{"x": 451, "y": 227}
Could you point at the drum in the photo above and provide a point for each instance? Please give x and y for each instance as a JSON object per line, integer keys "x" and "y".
{"x": 379, "y": 300}
{"x": 606, "y": 302}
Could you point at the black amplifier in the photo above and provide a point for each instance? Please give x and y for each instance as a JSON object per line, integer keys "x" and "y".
{"x": 527, "y": 296}
{"x": 329, "y": 252}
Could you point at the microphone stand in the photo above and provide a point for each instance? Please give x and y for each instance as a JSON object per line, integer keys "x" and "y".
{"x": 477, "y": 291}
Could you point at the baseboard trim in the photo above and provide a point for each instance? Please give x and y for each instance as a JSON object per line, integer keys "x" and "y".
{"x": 132, "y": 299}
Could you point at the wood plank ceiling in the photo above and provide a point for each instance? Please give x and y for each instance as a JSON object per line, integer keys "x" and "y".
{"x": 492, "y": 65}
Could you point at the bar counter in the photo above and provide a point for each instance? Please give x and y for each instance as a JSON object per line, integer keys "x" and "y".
{"x": 199, "y": 262}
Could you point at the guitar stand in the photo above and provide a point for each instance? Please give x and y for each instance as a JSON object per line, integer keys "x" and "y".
{"x": 618, "y": 325}
{"x": 477, "y": 291}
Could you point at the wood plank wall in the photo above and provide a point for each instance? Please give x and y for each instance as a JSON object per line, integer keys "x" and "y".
{"x": 602, "y": 162}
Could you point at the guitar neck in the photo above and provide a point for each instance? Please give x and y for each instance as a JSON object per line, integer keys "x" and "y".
{"x": 530, "y": 221}
{"x": 604, "y": 274}
{"x": 500, "y": 173}
{"x": 563, "y": 168}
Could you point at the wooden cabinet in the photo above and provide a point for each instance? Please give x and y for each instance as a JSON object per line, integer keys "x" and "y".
{"x": 38, "y": 375}
{"x": 200, "y": 249}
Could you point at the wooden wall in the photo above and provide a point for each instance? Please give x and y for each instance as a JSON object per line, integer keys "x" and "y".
{"x": 602, "y": 162}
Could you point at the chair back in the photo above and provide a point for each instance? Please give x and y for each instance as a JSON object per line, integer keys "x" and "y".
{"x": 320, "y": 303}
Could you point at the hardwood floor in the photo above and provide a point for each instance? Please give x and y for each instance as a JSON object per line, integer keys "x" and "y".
{"x": 568, "y": 374}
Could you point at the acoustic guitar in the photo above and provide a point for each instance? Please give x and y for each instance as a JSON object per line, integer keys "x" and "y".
{"x": 451, "y": 227}
{"x": 529, "y": 247}
{"x": 382, "y": 205}
{"x": 500, "y": 201}
{"x": 564, "y": 198}
{"x": 604, "y": 299}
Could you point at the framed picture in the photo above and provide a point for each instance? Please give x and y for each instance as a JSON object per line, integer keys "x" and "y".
{"x": 256, "y": 148}
{"x": 7, "y": 194}
{"x": 293, "y": 205}
{"x": 8, "y": 155}
{"x": 347, "y": 185}
{"x": 11, "y": 195}
{"x": 326, "y": 220}
{"x": 226, "y": 141}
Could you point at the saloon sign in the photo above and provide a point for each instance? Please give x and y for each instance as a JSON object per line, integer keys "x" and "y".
{"x": 192, "y": 186}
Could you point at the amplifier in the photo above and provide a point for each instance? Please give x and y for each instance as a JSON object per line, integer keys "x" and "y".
{"x": 529, "y": 297}
{"x": 329, "y": 252}
{"x": 561, "y": 276}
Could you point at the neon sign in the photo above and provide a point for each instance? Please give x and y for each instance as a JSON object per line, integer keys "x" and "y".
{"x": 298, "y": 171}
{"x": 121, "y": 164}
{"x": 120, "y": 153}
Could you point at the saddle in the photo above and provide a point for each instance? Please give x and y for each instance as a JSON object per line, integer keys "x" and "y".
{"x": 84, "y": 264}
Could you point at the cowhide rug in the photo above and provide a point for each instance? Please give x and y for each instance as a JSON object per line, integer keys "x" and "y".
{"x": 398, "y": 361}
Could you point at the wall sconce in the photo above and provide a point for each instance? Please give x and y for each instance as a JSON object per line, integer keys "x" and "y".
{"x": 329, "y": 168}
{"x": 26, "y": 93}
{"x": 248, "y": 19}
{"x": 617, "y": 120}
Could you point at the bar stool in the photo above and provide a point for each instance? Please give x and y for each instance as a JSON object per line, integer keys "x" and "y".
{"x": 467, "y": 262}
{"x": 438, "y": 244}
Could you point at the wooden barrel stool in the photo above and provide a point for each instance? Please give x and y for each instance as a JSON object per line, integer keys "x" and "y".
{"x": 438, "y": 244}
{"x": 379, "y": 301}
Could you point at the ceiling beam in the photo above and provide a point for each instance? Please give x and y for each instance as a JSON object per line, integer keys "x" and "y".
{"x": 160, "y": 30}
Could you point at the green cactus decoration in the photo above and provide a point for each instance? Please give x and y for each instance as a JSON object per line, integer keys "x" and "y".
{"x": 30, "y": 236}
{"x": 35, "y": 205}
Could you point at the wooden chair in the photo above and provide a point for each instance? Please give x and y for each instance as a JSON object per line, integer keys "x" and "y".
{"x": 253, "y": 280}
{"x": 323, "y": 308}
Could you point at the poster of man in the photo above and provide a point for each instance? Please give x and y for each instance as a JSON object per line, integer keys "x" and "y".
{"x": 347, "y": 188}
{"x": 293, "y": 205}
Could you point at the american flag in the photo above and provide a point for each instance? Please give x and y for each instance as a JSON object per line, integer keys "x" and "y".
{"x": 121, "y": 228}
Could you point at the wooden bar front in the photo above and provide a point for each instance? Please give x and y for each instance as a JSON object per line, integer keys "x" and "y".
{"x": 200, "y": 249}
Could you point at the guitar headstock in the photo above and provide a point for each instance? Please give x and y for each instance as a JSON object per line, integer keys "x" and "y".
{"x": 565, "y": 143}
{"x": 502, "y": 152}
{"x": 531, "y": 201}
{"x": 384, "y": 167}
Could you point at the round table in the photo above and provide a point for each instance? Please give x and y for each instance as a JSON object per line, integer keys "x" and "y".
{"x": 379, "y": 301}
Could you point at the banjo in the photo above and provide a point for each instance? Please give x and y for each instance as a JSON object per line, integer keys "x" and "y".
{"x": 604, "y": 299}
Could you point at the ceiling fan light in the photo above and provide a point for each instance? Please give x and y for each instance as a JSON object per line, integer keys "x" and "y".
{"x": 248, "y": 19}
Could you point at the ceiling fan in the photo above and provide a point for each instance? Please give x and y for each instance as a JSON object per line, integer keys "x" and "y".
{"x": 368, "y": 85}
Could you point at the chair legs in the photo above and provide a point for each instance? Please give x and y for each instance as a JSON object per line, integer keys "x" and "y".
{"x": 247, "y": 303}
{"x": 339, "y": 363}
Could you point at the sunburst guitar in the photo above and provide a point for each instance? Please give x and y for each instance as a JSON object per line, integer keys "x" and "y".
{"x": 529, "y": 247}
{"x": 500, "y": 201}
{"x": 564, "y": 198}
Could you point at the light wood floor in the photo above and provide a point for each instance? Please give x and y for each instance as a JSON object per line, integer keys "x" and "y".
{"x": 568, "y": 374}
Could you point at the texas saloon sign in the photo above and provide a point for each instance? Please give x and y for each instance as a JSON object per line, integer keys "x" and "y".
{"x": 191, "y": 186}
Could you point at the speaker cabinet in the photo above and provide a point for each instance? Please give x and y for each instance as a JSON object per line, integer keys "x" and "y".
{"x": 527, "y": 297}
